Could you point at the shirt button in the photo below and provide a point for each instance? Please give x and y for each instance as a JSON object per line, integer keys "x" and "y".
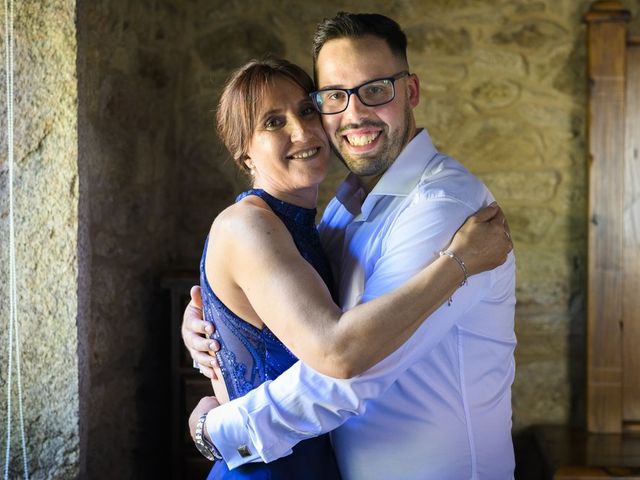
{"x": 244, "y": 451}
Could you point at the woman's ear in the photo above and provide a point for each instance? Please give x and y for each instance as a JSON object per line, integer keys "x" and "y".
{"x": 250, "y": 165}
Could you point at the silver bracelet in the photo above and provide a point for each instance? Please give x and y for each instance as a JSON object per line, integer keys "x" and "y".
{"x": 462, "y": 266}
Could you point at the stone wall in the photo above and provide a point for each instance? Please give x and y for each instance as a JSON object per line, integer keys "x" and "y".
{"x": 127, "y": 59}
{"x": 46, "y": 234}
{"x": 503, "y": 89}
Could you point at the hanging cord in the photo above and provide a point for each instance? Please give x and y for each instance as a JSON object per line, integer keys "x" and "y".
{"x": 13, "y": 316}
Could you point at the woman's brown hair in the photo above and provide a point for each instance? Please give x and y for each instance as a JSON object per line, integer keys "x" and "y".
{"x": 242, "y": 98}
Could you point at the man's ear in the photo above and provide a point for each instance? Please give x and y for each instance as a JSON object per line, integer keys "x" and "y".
{"x": 413, "y": 84}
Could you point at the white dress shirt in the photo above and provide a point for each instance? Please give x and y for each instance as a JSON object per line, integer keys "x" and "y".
{"x": 439, "y": 407}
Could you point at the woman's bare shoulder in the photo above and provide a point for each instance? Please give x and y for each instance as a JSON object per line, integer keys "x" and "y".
{"x": 247, "y": 219}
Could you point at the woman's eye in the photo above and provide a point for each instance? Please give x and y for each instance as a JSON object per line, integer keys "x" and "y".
{"x": 272, "y": 123}
{"x": 308, "y": 110}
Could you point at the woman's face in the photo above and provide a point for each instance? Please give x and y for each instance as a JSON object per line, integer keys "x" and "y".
{"x": 289, "y": 149}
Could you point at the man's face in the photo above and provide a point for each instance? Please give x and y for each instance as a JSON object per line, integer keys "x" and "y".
{"x": 367, "y": 139}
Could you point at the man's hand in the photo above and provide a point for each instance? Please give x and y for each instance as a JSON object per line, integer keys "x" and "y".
{"x": 204, "y": 405}
{"x": 195, "y": 335}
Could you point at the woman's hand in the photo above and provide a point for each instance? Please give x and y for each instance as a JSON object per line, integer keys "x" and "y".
{"x": 483, "y": 241}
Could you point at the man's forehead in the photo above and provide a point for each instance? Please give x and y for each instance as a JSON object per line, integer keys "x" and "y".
{"x": 347, "y": 62}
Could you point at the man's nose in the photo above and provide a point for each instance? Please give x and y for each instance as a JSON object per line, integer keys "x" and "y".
{"x": 355, "y": 107}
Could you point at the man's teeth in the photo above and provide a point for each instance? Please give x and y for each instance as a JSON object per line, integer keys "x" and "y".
{"x": 359, "y": 140}
{"x": 306, "y": 153}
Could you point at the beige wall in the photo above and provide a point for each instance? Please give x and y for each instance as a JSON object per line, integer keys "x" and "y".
{"x": 106, "y": 206}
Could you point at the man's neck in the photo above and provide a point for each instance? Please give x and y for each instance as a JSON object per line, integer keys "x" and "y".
{"x": 369, "y": 182}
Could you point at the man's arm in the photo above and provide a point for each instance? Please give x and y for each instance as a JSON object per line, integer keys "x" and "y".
{"x": 301, "y": 403}
{"x": 262, "y": 265}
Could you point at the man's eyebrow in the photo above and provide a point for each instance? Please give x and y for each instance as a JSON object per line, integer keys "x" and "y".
{"x": 332, "y": 87}
{"x": 341, "y": 87}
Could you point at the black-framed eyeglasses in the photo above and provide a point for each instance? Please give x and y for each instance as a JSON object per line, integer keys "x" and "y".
{"x": 373, "y": 93}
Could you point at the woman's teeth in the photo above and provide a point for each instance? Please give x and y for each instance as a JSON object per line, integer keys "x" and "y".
{"x": 306, "y": 153}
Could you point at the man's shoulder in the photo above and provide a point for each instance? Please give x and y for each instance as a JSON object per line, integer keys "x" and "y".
{"x": 447, "y": 178}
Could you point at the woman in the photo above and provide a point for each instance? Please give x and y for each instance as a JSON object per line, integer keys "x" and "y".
{"x": 265, "y": 281}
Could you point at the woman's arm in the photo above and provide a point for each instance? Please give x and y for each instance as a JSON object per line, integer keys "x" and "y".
{"x": 255, "y": 251}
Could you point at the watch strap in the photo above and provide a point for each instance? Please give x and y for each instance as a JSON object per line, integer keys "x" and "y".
{"x": 203, "y": 444}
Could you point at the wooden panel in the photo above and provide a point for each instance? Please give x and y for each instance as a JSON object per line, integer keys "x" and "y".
{"x": 574, "y": 453}
{"x": 589, "y": 473}
{"x": 606, "y": 64}
{"x": 187, "y": 386}
{"x": 631, "y": 242}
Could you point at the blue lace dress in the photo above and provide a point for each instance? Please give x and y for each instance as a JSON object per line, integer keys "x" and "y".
{"x": 249, "y": 356}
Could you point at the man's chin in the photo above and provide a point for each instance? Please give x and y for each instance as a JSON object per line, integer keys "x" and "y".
{"x": 365, "y": 167}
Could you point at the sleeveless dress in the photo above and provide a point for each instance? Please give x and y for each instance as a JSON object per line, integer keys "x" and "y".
{"x": 249, "y": 356}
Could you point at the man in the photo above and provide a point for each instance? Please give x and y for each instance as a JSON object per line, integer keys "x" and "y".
{"x": 440, "y": 406}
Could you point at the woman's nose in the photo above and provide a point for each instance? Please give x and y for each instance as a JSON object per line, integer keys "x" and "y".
{"x": 298, "y": 130}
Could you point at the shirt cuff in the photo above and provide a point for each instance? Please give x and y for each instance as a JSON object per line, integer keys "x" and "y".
{"x": 229, "y": 432}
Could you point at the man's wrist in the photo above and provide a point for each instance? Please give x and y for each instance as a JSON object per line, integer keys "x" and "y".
{"x": 204, "y": 445}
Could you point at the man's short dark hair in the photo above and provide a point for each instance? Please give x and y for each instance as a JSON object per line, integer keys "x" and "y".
{"x": 357, "y": 25}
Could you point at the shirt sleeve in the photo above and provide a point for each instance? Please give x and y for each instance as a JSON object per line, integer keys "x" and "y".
{"x": 301, "y": 403}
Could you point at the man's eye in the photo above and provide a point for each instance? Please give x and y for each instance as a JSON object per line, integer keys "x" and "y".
{"x": 336, "y": 96}
{"x": 376, "y": 89}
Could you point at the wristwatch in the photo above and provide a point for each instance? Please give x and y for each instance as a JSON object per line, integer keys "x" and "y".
{"x": 203, "y": 444}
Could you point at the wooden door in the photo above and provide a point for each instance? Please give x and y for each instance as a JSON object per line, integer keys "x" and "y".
{"x": 631, "y": 244}
{"x": 613, "y": 294}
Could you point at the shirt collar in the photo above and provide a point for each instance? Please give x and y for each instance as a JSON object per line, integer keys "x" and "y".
{"x": 399, "y": 179}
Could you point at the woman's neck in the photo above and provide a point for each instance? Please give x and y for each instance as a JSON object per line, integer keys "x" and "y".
{"x": 302, "y": 197}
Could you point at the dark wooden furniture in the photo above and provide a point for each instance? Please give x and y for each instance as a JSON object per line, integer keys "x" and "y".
{"x": 609, "y": 447}
{"x": 187, "y": 386}
{"x": 575, "y": 453}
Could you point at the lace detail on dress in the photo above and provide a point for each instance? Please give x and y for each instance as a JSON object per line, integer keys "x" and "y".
{"x": 248, "y": 355}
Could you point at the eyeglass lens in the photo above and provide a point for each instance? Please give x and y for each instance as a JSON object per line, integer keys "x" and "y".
{"x": 373, "y": 93}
